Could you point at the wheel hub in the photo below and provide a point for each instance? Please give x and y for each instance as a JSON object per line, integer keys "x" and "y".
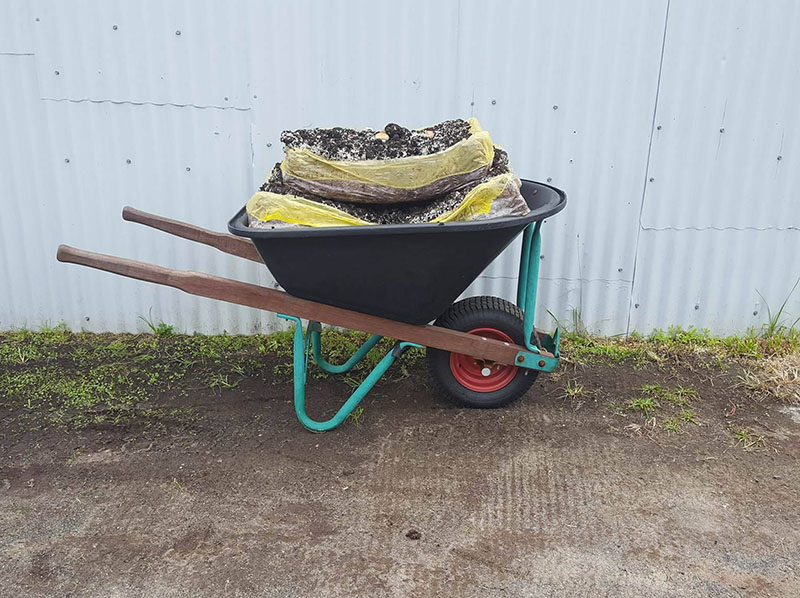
{"x": 481, "y": 375}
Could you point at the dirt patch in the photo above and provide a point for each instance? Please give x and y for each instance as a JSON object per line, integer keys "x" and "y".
{"x": 573, "y": 491}
{"x": 393, "y": 141}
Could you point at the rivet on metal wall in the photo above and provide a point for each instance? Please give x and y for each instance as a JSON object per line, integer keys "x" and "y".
{"x": 722, "y": 130}
{"x": 755, "y": 313}
{"x": 696, "y": 307}
{"x": 57, "y": 73}
{"x": 658, "y": 128}
{"x": 780, "y": 158}
{"x": 549, "y": 179}
{"x": 226, "y": 98}
{"x": 128, "y": 161}
{"x": 541, "y": 257}
{"x": 66, "y": 160}
{"x": 635, "y": 306}
{"x": 188, "y": 168}
{"x": 619, "y": 269}
{"x": 178, "y": 32}
{"x": 269, "y": 145}
{"x": 652, "y": 180}
{"x": 555, "y": 107}
{"x": 114, "y": 27}
{"x": 494, "y": 102}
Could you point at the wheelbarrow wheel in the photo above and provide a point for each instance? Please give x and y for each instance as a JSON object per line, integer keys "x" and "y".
{"x": 473, "y": 382}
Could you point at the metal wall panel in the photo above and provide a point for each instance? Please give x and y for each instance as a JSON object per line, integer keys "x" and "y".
{"x": 16, "y": 24}
{"x": 575, "y": 90}
{"x": 725, "y": 151}
{"x": 721, "y": 212}
{"x": 188, "y": 52}
{"x": 712, "y": 279}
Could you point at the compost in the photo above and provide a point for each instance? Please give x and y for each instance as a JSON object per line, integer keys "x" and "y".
{"x": 346, "y": 150}
{"x": 393, "y": 141}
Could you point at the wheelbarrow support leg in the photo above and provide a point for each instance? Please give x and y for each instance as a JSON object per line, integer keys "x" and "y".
{"x": 527, "y": 286}
{"x": 314, "y": 329}
{"x": 301, "y": 354}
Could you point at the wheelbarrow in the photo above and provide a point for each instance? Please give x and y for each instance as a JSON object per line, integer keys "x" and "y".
{"x": 389, "y": 281}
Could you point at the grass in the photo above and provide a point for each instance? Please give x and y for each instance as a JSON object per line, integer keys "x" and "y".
{"x": 679, "y": 395}
{"x": 673, "y": 424}
{"x": 689, "y": 417}
{"x": 747, "y": 439}
{"x": 61, "y": 377}
{"x": 573, "y": 390}
{"x": 777, "y": 376}
{"x": 160, "y": 329}
{"x": 775, "y": 322}
{"x": 645, "y": 405}
{"x": 356, "y": 415}
{"x": 56, "y": 377}
{"x": 680, "y": 342}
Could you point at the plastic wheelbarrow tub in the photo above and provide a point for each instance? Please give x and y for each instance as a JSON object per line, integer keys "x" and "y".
{"x": 406, "y": 272}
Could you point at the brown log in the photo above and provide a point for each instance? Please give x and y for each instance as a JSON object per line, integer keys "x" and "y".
{"x": 226, "y": 243}
{"x": 251, "y": 295}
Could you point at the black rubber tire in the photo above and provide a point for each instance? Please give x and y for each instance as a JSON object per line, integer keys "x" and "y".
{"x": 466, "y": 315}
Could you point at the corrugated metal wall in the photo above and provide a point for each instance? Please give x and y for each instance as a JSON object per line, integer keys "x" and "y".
{"x": 671, "y": 124}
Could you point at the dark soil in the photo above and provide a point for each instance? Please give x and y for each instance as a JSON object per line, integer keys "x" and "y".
{"x": 411, "y": 213}
{"x": 398, "y": 142}
{"x": 557, "y": 495}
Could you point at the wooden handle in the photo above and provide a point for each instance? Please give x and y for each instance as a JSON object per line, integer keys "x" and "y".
{"x": 117, "y": 265}
{"x": 224, "y": 242}
{"x": 251, "y": 295}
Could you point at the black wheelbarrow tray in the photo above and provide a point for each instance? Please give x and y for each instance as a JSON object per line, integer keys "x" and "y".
{"x": 390, "y": 281}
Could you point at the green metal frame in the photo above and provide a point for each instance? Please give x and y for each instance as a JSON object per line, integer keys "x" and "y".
{"x": 310, "y": 344}
{"x": 527, "y": 286}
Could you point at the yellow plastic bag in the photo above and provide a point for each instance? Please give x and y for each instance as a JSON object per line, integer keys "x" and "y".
{"x": 272, "y": 207}
{"x": 497, "y": 197}
{"x": 414, "y": 178}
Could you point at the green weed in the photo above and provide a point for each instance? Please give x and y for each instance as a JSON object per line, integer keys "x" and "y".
{"x": 356, "y": 415}
{"x": 747, "y": 439}
{"x": 573, "y": 390}
{"x": 160, "y": 329}
{"x": 646, "y": 405}
{"x": 689, "y": 417}
{"x": 775, "y": 322}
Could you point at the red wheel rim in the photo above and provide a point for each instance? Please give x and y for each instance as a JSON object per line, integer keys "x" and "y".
{"x": 480, "y": 375}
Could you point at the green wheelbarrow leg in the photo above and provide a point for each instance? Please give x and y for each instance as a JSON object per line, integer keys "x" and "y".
{"x": 301, "y": 354}
{"x": 527, "y": 287}
{"x": 316, "y": 349}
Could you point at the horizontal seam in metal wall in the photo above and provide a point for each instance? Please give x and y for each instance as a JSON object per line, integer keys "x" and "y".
{"x": 133, "y": 103}
{"x": 608, "y": 280}
{"x": 16, "y": 53}
{"x": 721, "y": 228}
